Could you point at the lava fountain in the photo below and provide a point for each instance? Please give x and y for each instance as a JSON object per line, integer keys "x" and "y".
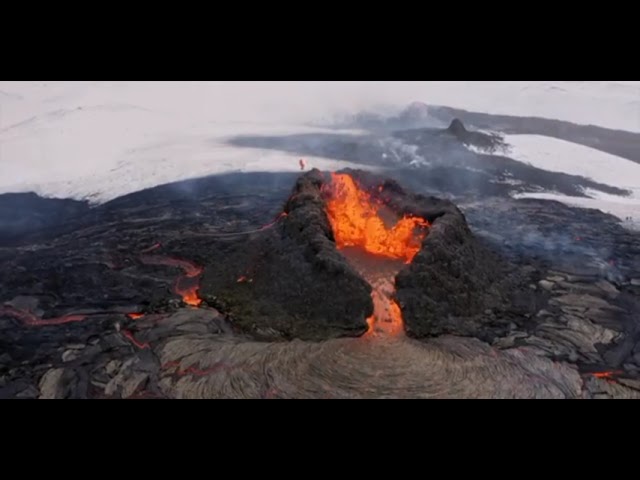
{"x": 357, "y": 220}
{"x": 376, "y": 241}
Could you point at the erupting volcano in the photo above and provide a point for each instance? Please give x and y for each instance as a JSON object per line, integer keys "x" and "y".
{"x": 357, "y": 287}
{"x": 361, "y": 222}
{"x": 351, "y": 253}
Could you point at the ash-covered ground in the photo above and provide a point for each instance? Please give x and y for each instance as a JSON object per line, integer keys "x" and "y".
{"x": 99, "y": 301}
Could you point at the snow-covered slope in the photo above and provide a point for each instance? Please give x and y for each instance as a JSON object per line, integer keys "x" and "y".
{"x": 104, "y": 139}
{"x": 608, "y": 104}
{"x": 100, "y": 153}
{"x": 566, "y": 157}
{"x": 626, "y": 209}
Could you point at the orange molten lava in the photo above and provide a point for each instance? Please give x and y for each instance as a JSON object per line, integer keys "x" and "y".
{"x": 356, "y": 222}
{"x": 387, "y": 316}
{"x": 135, "y": 316}
{"x": 356, "y": 218}
{"x": 606, "y": 375}
{"x": 186, "y": 285}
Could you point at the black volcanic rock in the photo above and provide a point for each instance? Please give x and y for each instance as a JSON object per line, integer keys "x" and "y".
{"x": 616, "y": 142}
{"x": 455, "y": 285}
{"x": 287, "y": 280}
{"x": 290, "y": 280}
{"x": 25, "y": 213}
{"x": 457, "y": 128}
{"x": 486, "y": 142}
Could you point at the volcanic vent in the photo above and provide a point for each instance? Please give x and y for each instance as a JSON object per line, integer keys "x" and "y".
{"x": 354, "y": 253}
{"x": 375, "y": 240}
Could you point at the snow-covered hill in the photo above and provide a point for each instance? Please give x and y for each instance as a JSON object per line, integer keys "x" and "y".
{"x": 100, "y": 140}
{"x": 566, "y": 157}
{"x": 608, "y": 104}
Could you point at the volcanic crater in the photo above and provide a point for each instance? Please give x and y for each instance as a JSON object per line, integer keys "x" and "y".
{"x": 351, "y": 253}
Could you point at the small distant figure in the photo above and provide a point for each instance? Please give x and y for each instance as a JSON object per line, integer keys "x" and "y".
{"x": 302, "y": 164}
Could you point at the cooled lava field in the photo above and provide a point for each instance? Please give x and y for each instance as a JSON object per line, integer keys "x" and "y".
{"x": 389, "y": 281}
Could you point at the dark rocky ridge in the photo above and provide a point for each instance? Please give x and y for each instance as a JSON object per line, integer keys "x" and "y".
{"x": 486, "y": 142}
{"x": 616, "y": 142}
{"x": 491, "y": 161}
{"x": 422, "y": 116}
{"x": 428, "y": 152}
{"x": 453, "y": 281}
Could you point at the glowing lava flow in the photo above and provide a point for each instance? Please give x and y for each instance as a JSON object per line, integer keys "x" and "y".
{"x": 356, "y": 222}
{"x": 186, "y": 285}
{"x": 187, "y": 288}
{"x": 31, "y": 320}
{"x": 387, "y": 316}
{"x": 129, "y": 336}
{"x": 609, "y": 376}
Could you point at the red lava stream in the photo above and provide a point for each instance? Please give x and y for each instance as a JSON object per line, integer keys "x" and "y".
{"x": 358, "y": 223}
{"x": 185, "y": 285}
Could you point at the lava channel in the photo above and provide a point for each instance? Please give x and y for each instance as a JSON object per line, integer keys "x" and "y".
{"x": 186, "y": 285}
{"x": 356, "y": 221}
{"x": 609, "y": 376}
{"x": 374, "y": 248}
{"x": 31, "y": 320}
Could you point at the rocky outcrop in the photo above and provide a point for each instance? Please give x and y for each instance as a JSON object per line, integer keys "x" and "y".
{"x": 455, "y": 285}
{"x": 56, "y": 383}
{"x": 484, "y": 141}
